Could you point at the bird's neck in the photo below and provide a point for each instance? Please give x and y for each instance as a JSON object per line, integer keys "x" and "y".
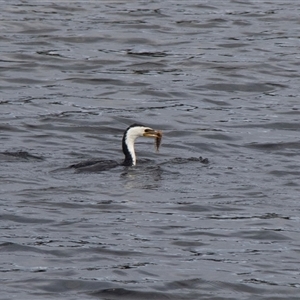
{"x": 128, "y": 150}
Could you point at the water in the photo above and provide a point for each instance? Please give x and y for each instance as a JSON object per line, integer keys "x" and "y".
{"x": 221, "y": 79}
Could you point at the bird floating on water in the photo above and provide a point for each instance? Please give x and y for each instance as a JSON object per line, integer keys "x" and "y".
{"x": 130, "y": 135}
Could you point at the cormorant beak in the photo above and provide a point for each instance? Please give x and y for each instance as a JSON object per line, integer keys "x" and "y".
{"x": 157, "y": 134}
{"x": 152, "y": 133}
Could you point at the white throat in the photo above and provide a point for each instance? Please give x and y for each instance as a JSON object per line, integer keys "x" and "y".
{"x": 130, "y": 144}
{"x": 132, "y": 135}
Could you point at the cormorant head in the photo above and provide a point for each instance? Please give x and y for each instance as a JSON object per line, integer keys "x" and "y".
{"x": 136, "y": 130}
{"x": 132, "y": 132}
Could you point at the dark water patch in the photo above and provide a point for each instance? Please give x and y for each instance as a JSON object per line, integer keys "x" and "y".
{"x": 148, "y": 66}
{"x": 201, "y": 6}
{"x": 211, "y": 23}
{"x": 49, "y": 53}
{"x": 193, "y": 207}
{"x": 141, "y": 12}
{"x": 266, "y": 235}
{"x": 73, "y": 7}
{"x": 233, "y": 45}
{"x": 275, "y": 146}
{"x": 264, "y": 217}
{"x": 21, "y": 154}
{"x": 216, "y": 102}
{"x": 54, "y": 120}
{"x": 281, "y": 173}
{"x": 4, "y": 102}
{"x": 131, "y": 266}
{"x": 114, "y": 252}
{"x": 117, "y": 293}
{"x": 203, "y": 208}
{"x": 212, "y": 286}
{"x": 156, "y": 94}
{"x": 22, "y": 219}
{"x": 17, "y": 248}
{"x": 181, "y": 160}
{"x": 246, "y": 88}
{"x": 184, "y": 243}
{"x": 102, "y": 81}
{"x": 25, "y": 81}
{"x": 70, "y": 249}
{"x": 66, "y": 285}
{"x": 294, "y": 111}
{"x": 146, "y": 52}
{"x": 274, "y": 126}
{"x": 244, "y": 288}
{"x": 204, "y": 233}
{"x": 105, "y": 205}
{"x": 194, "y": 283}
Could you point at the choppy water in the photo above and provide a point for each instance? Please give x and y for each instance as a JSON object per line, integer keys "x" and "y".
{"x": 221, "y": 79}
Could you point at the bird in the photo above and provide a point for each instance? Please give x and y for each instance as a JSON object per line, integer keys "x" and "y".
{"x": 130, "y": 135}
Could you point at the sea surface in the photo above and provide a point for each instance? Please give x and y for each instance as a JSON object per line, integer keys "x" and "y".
{"x": 220, "y": 79}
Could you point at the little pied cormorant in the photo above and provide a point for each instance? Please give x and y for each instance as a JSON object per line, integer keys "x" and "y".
{"x": 131, "y": 133}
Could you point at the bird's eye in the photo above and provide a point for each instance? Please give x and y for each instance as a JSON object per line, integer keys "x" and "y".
{"x": 147, "y": 130}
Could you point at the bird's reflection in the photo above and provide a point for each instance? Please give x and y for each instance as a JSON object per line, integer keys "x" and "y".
{"x": 143, "y": 177}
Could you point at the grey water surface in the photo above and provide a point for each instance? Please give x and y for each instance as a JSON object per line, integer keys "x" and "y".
{"x": 220, "y": 79}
